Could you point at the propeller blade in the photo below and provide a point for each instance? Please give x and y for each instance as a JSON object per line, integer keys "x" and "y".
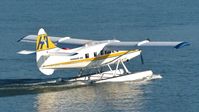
{"x": 142, "y": 59}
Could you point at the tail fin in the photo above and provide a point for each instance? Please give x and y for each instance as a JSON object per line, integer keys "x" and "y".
{"x": 43, "y": 45}
{"x": 43, "y": 41}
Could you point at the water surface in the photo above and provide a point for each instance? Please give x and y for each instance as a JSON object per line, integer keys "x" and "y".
{"x": 95, "y": 19}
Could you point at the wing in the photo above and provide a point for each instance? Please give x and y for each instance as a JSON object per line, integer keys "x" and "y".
{"x": 145, "y": 43}
{"x": 64, "y": 40}
{"x": 111, "y": 44}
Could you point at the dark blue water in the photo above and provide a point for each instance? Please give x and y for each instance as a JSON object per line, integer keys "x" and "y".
{"x": 169, "y": 20}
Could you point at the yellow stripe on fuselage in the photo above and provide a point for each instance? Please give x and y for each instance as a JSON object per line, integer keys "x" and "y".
{"x": 120, "y": 53}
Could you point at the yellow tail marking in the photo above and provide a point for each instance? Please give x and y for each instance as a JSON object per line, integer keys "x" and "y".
{"x": 44, "y": 43}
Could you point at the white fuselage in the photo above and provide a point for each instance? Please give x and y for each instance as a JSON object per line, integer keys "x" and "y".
{"x": 88, "y": 56}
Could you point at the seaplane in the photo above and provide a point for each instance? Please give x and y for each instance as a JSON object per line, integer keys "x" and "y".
{"x": 91, "y": 55}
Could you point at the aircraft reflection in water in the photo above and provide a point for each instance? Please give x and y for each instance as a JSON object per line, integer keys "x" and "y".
{"x": 104, "y": 97}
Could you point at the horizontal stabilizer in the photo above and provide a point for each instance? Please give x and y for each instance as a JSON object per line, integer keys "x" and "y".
{"x": 26, "y": 52}
{"x": 64, "y": 40}
{"x": 33, "y": 38}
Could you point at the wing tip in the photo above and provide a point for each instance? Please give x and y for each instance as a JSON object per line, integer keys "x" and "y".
{"x": 182, "y": 44}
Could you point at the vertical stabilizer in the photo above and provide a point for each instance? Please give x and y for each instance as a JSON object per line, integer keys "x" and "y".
{"x": 43, "y": 41}
{"x": 43, "y": 45}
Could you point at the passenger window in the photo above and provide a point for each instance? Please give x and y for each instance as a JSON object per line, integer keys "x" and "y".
{"x": 108, "y": 52}
{"x": 102, "y": 52}
{"x": 95, "y": 54}
{"x": 105, "y": 52}
{"x": 87, "y": 55}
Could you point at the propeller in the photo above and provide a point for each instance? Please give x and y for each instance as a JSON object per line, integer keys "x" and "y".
{"x": 140, "y": 44}
{"x": 141, "y": 58}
